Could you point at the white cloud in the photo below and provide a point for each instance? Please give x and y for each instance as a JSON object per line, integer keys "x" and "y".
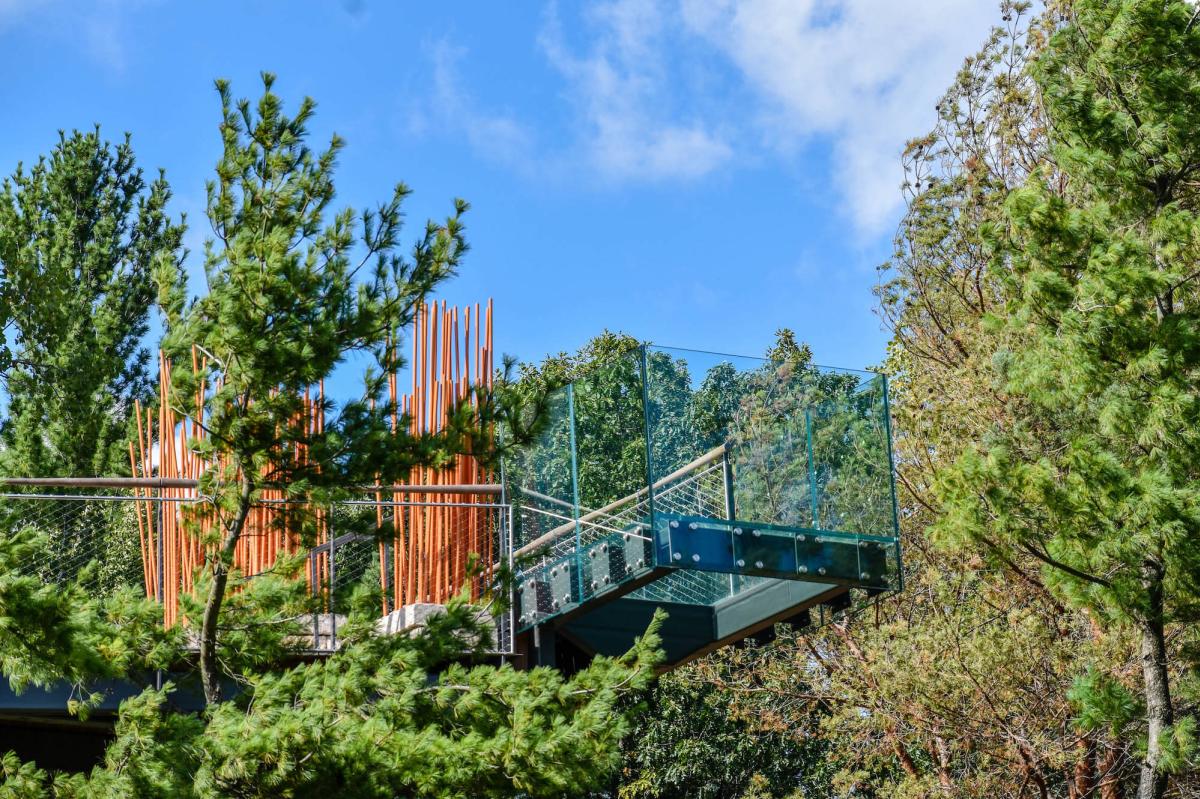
{"x": 622, "y": 89}
{"x": 864, "y": 73}
{"x": 498, "y": 136}
{"x": 860, "y": 74}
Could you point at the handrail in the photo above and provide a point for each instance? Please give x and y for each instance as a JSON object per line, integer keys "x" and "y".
{"x": 184, "y": 482}
{"x": 708, "y": 457}
{"x": 101, "y": 482}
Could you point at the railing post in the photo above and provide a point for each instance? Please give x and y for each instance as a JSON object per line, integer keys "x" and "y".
{"x": 645, "y": 373}
{"x": 158, "y": 558}
{"x": 812, "y": 474}
{"x": 316, "y": 616}
{"x": 158, "y": 552}
{"x": 332, "y": 583}
{"x": 512, "y": 610}
{"x": 727, "y": 477}
{"x": 577, "y": 579}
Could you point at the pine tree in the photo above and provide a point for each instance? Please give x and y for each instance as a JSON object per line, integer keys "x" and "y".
{"x": 1095, "y": 473}
{"x": 384, "y": 716}
{"x": 81, "y": 234}
{"x": 292, "y": 290}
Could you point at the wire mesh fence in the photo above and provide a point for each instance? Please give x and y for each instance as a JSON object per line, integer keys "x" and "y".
{"x": 113, "y": 539}
{"x": 89, "y": 536}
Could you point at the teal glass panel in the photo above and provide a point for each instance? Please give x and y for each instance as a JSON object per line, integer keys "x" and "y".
{"x": 780, "y": 442}
{"x": 542, "y": 478}
{"x": 851, "y": 461}
{"x": 712, "y": 474}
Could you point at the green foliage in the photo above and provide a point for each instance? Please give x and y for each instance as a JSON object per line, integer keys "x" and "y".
{"x": 293, "y": 288}
{"x": 383, "y": 717}
{"x": 697, "y": 740}
{"x": 53, "y": 633}
{"x": 290, "y": 295}
{"x": 609, "y": 435}
{"x": 1103, "y": 703}
{"x": 81, "y": 233}
{"x": 1091, "y": 468}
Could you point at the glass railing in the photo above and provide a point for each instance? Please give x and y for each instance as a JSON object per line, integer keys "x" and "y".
{"x": 690, "y": 477}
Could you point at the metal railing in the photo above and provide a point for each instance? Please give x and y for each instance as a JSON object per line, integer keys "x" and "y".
{"x": 109, "y": 534}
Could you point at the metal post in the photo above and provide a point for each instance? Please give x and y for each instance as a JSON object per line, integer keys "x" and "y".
{"x": 158, "y": 558}
{"x": 727, "y": 476}
{"x": 316, "y": 617}
{"x": 649, "y": 450}
{"x": 730, "y": 513}
{"x": 332, "y": 584}
{"x": 512, "y": 610}
{"x": 577, "y": 579}
{"x": 812, "y": 474}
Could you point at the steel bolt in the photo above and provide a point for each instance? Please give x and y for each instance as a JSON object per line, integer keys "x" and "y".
{"x": 756, "y": 533}
{"x": 741, "y": 563}
{"x": 674, "y": 525}
{"x": 677, "y": 556}
{"x": 758, "y": 564}
{"x": 695, "y": 558}
{"x": 691, "y": 525}
{"x": 821, "y": 570}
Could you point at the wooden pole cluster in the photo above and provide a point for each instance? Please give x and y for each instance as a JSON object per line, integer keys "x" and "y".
{"x": 433, "y": 541}
{"x": 428, "y": 536}
{"x": 171, "y": 525}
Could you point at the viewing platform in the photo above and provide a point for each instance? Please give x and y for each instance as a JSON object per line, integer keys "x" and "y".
{"x": 731, "y": 492}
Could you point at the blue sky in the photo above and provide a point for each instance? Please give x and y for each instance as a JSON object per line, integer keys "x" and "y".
{"x": 696, "y": 173}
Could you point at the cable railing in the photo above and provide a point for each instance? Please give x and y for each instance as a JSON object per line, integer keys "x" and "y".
{"x": 115, "y": 535}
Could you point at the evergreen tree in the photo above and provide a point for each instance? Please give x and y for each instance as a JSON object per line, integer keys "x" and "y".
{"x": 384, "y": 716}
{"x": 1094, "y": 474}
{"x": 291, "y": 292}
{"x": 81, "y": 234}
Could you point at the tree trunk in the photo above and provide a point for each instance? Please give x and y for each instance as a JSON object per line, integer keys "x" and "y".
{"x": 210, "y": 674}
{"x": 1110, "y": 781}
{"x": 1083, "y": 782}
{"x": 906, "y": 761}
{"x": 1152, "y": 782}
{"x": 942, "y": 752}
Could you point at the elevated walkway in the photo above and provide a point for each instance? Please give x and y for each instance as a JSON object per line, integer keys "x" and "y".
{"x": 752, "y": 491}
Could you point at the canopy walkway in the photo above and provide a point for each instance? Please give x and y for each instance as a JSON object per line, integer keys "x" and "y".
{"x": 732, "y": 492}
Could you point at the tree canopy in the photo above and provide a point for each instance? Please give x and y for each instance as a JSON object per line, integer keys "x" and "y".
{"x": 81, "y": 236}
